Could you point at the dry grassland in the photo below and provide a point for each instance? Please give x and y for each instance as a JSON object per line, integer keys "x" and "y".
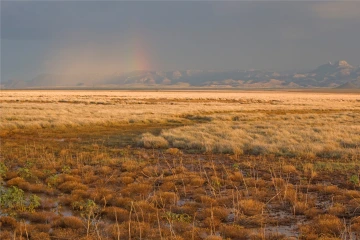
{"x": 179, "y": 165}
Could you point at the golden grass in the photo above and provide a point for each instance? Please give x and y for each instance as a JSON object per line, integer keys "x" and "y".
{"x": 64, "y": 109}
{"x": 291, "y": 124}
{"x": 232, "y": 166}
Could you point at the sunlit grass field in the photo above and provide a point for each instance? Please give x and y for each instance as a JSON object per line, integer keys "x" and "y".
{"x": 179, "y": 165}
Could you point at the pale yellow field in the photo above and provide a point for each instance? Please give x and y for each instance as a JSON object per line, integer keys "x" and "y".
{"x": 287, "y": 123}
{"x": 42, "y": 109}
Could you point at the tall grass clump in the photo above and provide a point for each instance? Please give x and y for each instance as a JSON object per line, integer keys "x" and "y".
{"x": 148, "y": 140}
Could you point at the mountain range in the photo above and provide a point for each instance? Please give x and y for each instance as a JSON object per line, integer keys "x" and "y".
{"x": 338, "y": 74}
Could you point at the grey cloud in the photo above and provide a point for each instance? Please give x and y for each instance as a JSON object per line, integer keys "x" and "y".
{"x": 340, "y": 10}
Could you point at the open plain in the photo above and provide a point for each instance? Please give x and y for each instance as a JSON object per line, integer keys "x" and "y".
{"x": 179, "y": 164}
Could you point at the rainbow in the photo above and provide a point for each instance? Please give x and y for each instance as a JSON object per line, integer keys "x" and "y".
{"x": 139, "y": 59}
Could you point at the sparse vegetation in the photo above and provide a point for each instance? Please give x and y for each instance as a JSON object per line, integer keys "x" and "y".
{"x": 219, "y": 166}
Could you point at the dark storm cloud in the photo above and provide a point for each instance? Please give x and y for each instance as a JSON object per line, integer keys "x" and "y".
{"x": 179, "y": 35}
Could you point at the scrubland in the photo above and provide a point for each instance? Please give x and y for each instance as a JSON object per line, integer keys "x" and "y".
{"x": 179, "y": 165}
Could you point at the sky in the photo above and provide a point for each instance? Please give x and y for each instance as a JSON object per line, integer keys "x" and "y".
{"x": 107, "y": 37}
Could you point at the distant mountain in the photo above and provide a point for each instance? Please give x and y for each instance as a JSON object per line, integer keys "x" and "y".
{"x": 329, "y": 75}
{"x": 15, "y": 84}
{"x": 350, "y": 85}
{"x": 339, "y": 74}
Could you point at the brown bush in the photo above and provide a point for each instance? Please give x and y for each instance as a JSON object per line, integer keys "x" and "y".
{"x": 114, "y": 213}
{"x": 236, "y": 177}
{"x": 102, "y": 195}
{"x": 151, "y": 171}
{"x": 150, "y": 141}
{"x": 37, "y": 188}
{"x": 332, "y": 189}
{"x": 337, "y": 209}
{"x": 312, "y": 212}
{"x": 66, "y": 233}
{"x": 79, "y": 194}
{"x": 211, "y": 222}
{"x": 42, "y": 227}
{"x": 173, "y": 151}
{"x": 146, "y": 211}
{"x": 116, "y": 231}
{"x": 300, "y": 208}
{"x": 227, "y": 200}
{"x": 220, "y": 213}
{"x": 6, "y": 235}
{"x": 68, "y": 222}
{"x": 126, "y": 180}
{"x": 24, "y": 228}
{"x": 251, "y": 207}
{"x": 39, "y": 235}
{"x": 105, "y": 170}
{"x": 136, "y": 189}
{"x": 40, "y": 217}
{"x": 213, "y": 237}
{"x": 290, "y": 194}
{"x": 69, "y": 186}
{"x": 140, "y": 228}
{"x": 289, "y": 169}
{"x": 168, "y": 186}
{"x": 278, "y": 182}
{"x": 165, "y": 198}
{"x": 8, "y": 222}
{"x": 15, "y": 181}
{"x": 352, "y": 194}
{"x": 188, "y": 208}
{"x": 122, "y": 202}
{"x": 69, "y": 178}
{"x": 207, "y": 201}
{"x": 328, "y": 225}
{"x": 235, "y": 232}
{"x": 355, "y": 224}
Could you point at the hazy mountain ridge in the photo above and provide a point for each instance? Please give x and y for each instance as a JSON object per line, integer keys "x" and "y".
{"x": 338, "y": 74}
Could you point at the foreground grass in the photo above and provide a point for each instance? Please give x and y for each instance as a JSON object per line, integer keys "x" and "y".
{"x": 258, "y": 167}
{"x": 100, "y": 191}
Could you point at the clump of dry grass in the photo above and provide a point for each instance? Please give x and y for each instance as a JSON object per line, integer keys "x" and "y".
{"x": 69, "y": 186}
{"x": 68, "y": 222}
{"x": 116, "y": 214}
{"x": 251, "y": 207}
{"x": 150, "y": 141}
{"x": 323, "y": 225}
{"x": 337, "y": 209}
{"x": 8, "y": 222}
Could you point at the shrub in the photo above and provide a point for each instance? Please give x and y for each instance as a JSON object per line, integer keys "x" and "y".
{"x": 40, "y": 217}
{"x": 136, "y": 189}
{"x": 173, "y": 151}
{"x": 68, "y": 186}
{"x": 13, "y": 199}
{"x": 126, "y": 180}
{"x": 251, "y": 207}
{"x": 8, "y": 222}
{"x": 68, "y": 222}
{"x": 3, "y": 170}
{"x": 235, "y": 232}
{"x": 150, "y": 141}
{"x": 166, "y": 198}
{"x": 40, "y": 235}
{"x": 115, "y": 213}
{"x": 337, "y": 209}
{"x": 213, "y": 237}
{"x": 328, "y": 225}
{"x": 289, "y": 169}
